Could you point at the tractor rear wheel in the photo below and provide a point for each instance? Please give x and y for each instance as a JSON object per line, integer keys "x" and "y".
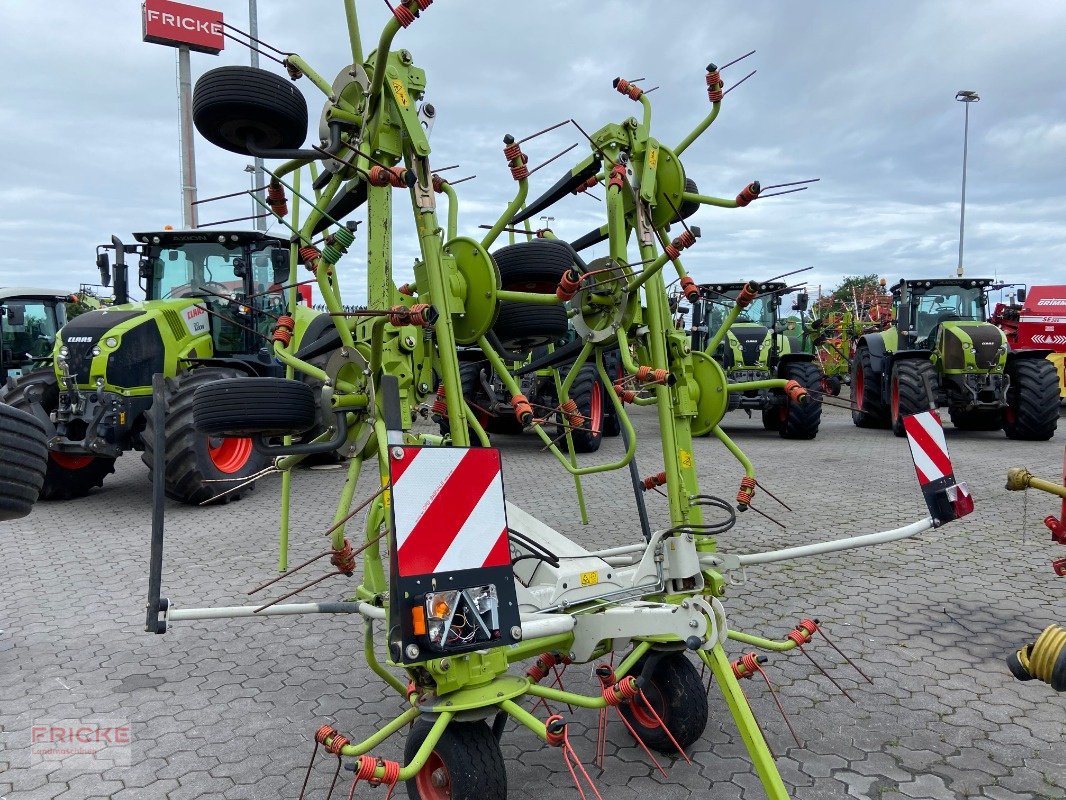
{"x": 831, "y": 385}
{"x": 976, "y": 420}
{"x": 587, "y": 393}
{"x": 1032, "y": 411}
{"x": 23, "y": 461}
{"x": 867, "y": 408}
{"x": 908, "y": 390}
{"x": 67, "y": 476}
{"x": 465, "y": 764}
{"x": 678, "y": 696}
{"x": 470, "y": 380}
{"x": 533, "y": 266}
{"x": 801, "y": 420}
{"x": 199, "y": 468}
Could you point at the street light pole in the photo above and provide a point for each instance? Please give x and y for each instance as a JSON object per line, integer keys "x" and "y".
{"x": 257, "y": 176}
{"x": 965, "y": 97}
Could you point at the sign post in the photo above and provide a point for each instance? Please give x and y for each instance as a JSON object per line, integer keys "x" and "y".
{"x": 186, "y": 28}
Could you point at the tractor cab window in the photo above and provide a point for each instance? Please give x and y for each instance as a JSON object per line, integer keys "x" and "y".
{"x": 935, "y": 304}
{"x": 28, "y": 330}
{"x": 196, "y": 270}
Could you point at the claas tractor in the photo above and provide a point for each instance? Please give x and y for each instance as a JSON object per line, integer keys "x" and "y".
{"x": 211, "y": 301}
{"x": 758, "y": 347}
{"x": 29, "y": 321}
{"x": 942, "y": 352}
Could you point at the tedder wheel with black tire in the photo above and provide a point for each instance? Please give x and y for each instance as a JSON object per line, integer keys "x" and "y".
{"x": 831, "y": 385}
{"x": 867, "y": 407}
{"x": 200, "y": 468}
{"x": 470, "y": 380}
{"x": 801, "y": 420}
{"x": 587, "y": 393}
{"x": 771, "y": 418}
{"x": 1032, "y": 412}
{"x": 533, "y": 266}
{"x": 678, "y": 696}
{"x": 976, "y": 420}
{"x": 253, "y": 406}
{"x": 907, "y": 390}
{"x": 465, "y": 764}
{"x": 23, "y": 461}
{"x": 67, "y": 476}
{"x": 235, "y": 106}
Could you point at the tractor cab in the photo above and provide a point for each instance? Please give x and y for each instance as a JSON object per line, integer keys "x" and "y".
{"x": 922, "y": 306}
{"x": 757, "y": 336}
{"x": 29, "y": 322}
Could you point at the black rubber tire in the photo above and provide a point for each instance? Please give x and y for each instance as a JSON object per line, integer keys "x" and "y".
{"x": 976, "y": 420}
{"x": 1032, "y": 400}
{"x": 36, "y": 393}
{"x": 907, "y": 390}
{"x": 801, "y": 420}
{"x": 688, "y": 207}
{"x": 533, "y": 266}
{"x": 467, "y": 759}
{"x": 771, "y": 418}
{"x": 676, "y": 692}
{"x": 587, "y": 392}
{"x": 251, "y": 406}
{"x": 23, "y": 461}
{"x": 470, "y": 380}
{"x": 190, "y": 473}
{"x": 831, "y": 385}
{"x": 233, "y": 103}
{"x": 867, "y": 407}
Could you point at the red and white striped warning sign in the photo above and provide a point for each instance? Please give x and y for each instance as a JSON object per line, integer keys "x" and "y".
{"x": 929, "y": 448}
{"x": 448, "y": 509}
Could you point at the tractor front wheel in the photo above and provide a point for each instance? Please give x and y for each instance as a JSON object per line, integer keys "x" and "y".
{"x": 867, "y": 409}
{"x": 1032, "y": 412}
{"x": 587, "y": 393}
{"x": 23, "y": 460}
{"x": 199, "y": 468}
{"x": 679, "y": 698}
{"x": 908, "y": 390}
{"x": 465, "y": 764}
{"x": 801, "y": 420}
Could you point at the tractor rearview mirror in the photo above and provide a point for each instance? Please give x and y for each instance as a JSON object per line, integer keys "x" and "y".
{"x": 802, "y": 301}
{"x": 280, "y": 262}
{"x": 103, "y": 263}
{"x": 1021, "y": 295}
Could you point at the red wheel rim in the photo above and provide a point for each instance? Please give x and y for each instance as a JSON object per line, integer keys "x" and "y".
{"x": 642, "y": 715}
{"x": 1010, "y": 415}
{"x": 229, "y": 455}
{"x": 71, "y": 462}
{"x": 596, "y": 409}
{"x": 433, "y": 781}
{"x": 860, "y": 386}
{"x": 895, "y": 398}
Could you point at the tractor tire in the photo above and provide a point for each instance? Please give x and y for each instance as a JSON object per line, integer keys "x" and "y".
{"x": 587, "y": 392}
{"x": 67, "y": 476}
{"x": 976, "y": 420}
{"x": 533, "y": 266}
{"x": 199, "y": 469}
{"x": 234, "y": 104}
{"x": 1032, "y": 412}
{"x": 23, "y": 461}
{"x": 867, "y": 406}
{"x": 771, "y": 418}
{"x": 907, "y": 390}
{"x": 469, "y": 378}
{"x": 688, "y": 207}
{"x": 465, "y": 764}
{"x": 801, "y": 420}
{"x": 678, "y": 696}
{"x": 246, "y": 406}
{"x": 831, "y": 385}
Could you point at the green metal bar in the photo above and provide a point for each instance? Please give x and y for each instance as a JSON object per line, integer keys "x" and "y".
{"x": 512, "y": 209}
{"x": 373, "y": 572}
{"x": 709, "y": 201}
{"x": 745, "y": 386}
{"x": 650, "y": 269}
{"x": 324, "y": 86}
{"x": 719, "y": 335}
{"x": 634, "y": 656}
{"x": 355, "y": 466}
{"x": 422, "y": 756}
{"x": 398, "y": 724}
{"x": 563, "y": 398}
{"x": 760, "y": 642}
{"x": 378, "y": 81}
{"x": 353, "y": 31}
{"x": 534, "y": 647}
{"x": 453, "y": 211}
{"x": 528, "y": 297}
{"x": 561, "y": 696}
{"x": 579, "y": 362}
{"x": 738, "y": 454}
{"x": 644, "y": 101}
{"x": 628, "y": 363}
{"x": 520, "y": 715}
{"x": 760, "y": 755}
{"x": 699, "y": 129}
{"x": 372, "y": 659}
{"x": 291, "y": 166}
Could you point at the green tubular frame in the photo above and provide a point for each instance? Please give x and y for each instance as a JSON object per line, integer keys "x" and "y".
{"x": 646, "y": 337}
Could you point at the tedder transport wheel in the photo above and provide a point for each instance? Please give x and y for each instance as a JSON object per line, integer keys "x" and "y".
{"x": 801, "y": 420}
{"x": 867, "y": 408}
{"x": 251, "y": 406}
{"x": 466, "y": 764}
{"x": 678, "y": 696}
{"x": 976, "y": 420}
{"x": 907, "y": 390}
{"x": 200, "y": 468}
{"x": 1032, "y": 411}
{"x": 232, "y": 105}
{"x": 587, "y": 392}
{"x": 533, "y": 266}
{"x": 23, "y": 461}
{"x": 67, "y": 476}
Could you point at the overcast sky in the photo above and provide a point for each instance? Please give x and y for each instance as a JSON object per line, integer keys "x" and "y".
{"x": 860, "y": 94}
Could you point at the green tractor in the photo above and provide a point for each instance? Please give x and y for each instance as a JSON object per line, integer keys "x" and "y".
{"x": 211, "y": 302}
{"x": 942, "y": 352}
{"x": 758, "y": 347}
{"x": 29, "y": 322}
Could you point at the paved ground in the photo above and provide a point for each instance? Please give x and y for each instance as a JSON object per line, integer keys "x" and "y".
{"x": 227, "y": 709}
